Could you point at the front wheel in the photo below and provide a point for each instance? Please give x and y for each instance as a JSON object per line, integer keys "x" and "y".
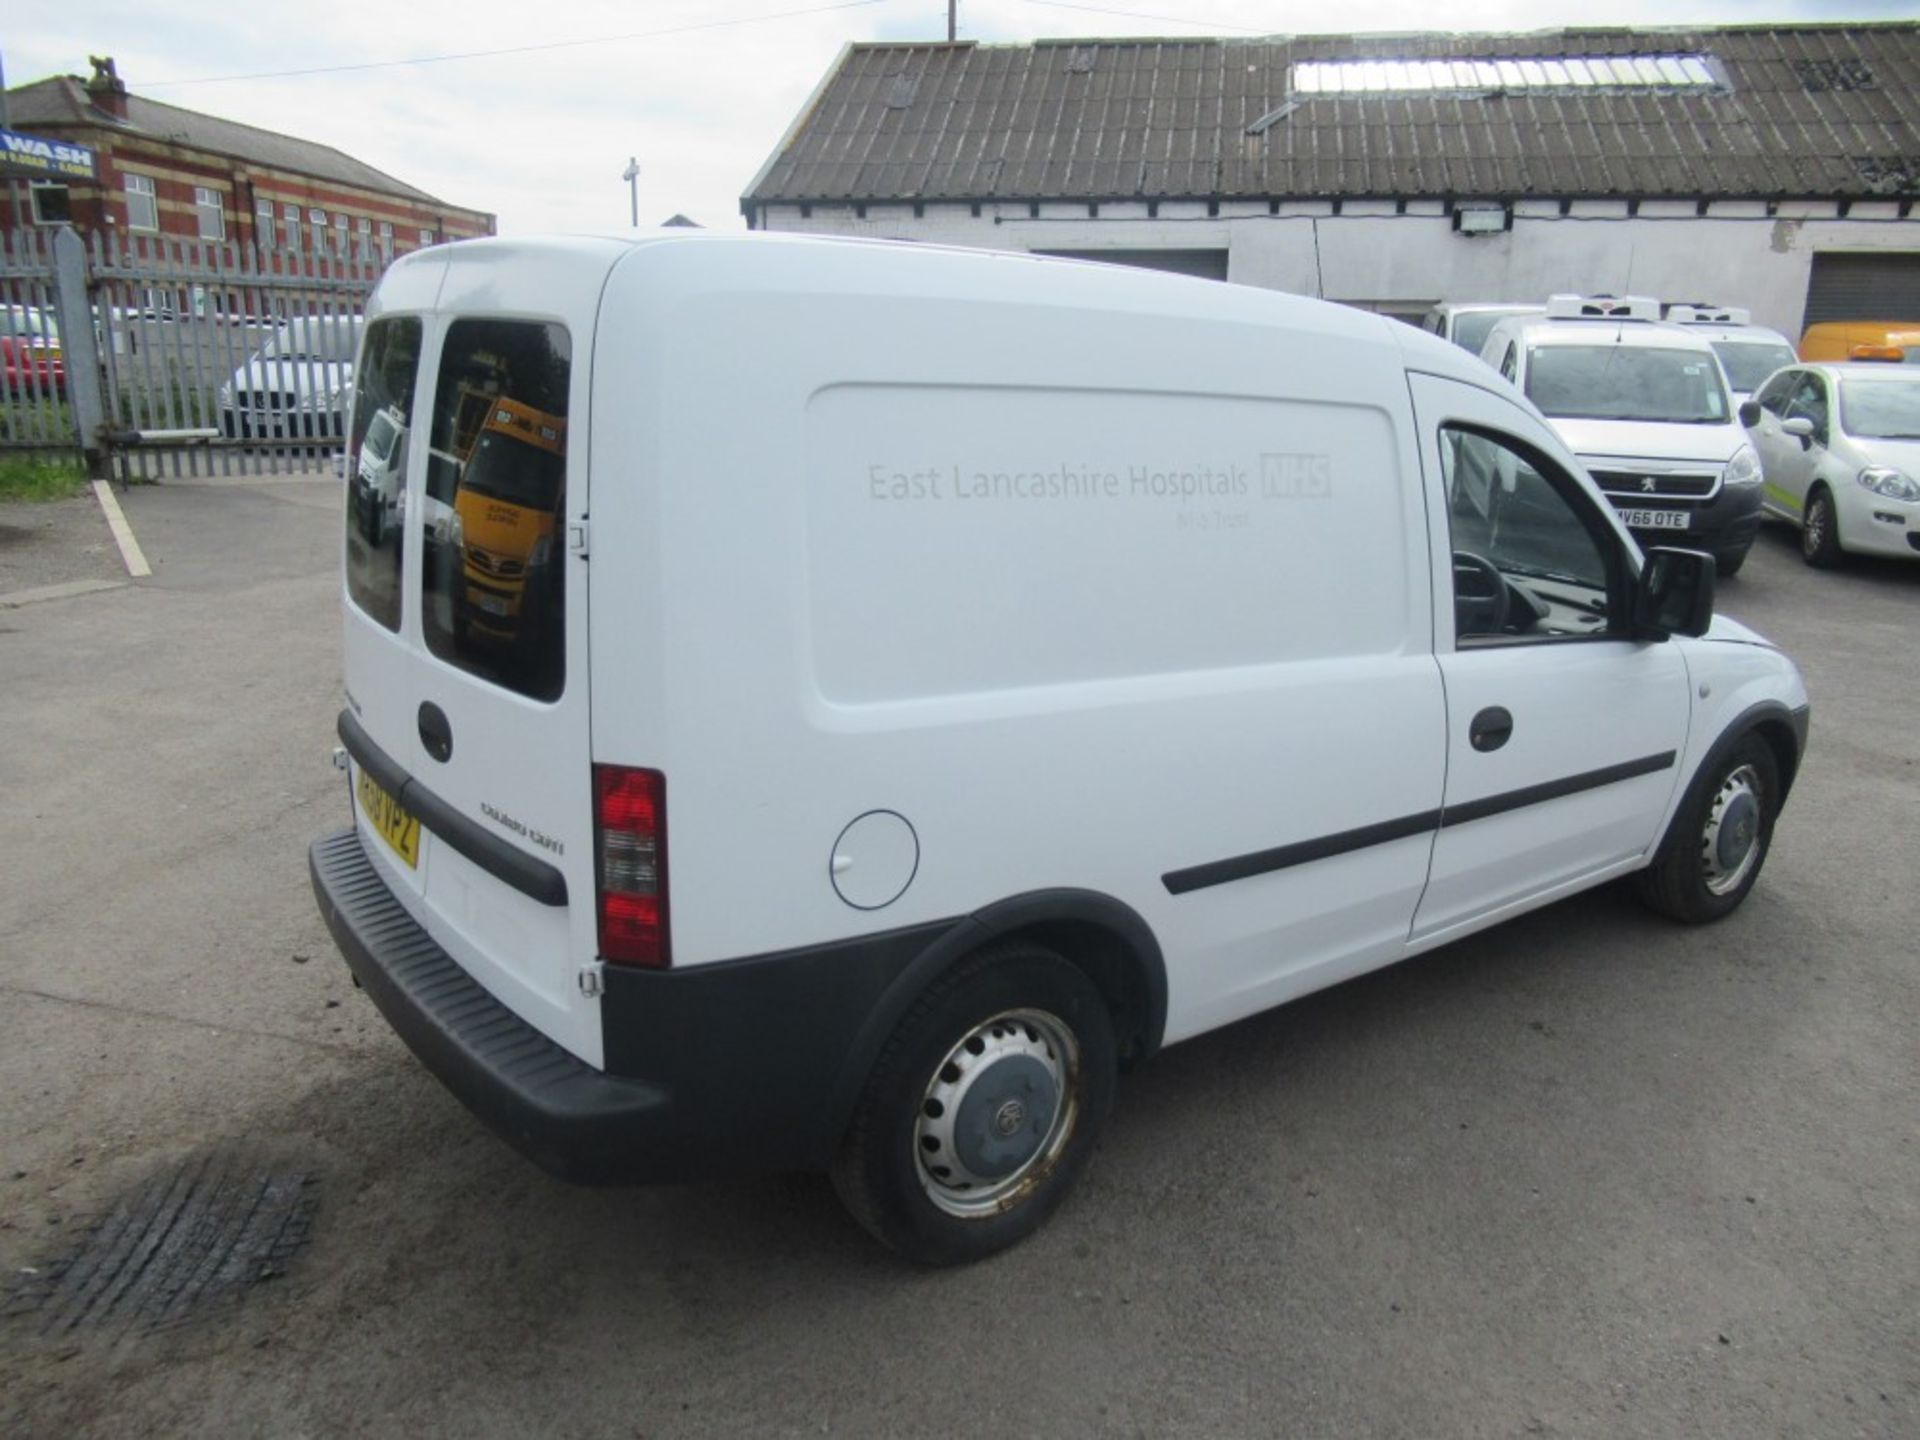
{"x": 982, "y": 1110}
{"x": 1820, "y": 531}
{"x": 1719, "y": 839}
{"x": 1728, "y": 562}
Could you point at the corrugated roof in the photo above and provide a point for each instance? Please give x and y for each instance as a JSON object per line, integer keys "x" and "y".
{"x": 62, "y": 100}
{"x": 1804, "y": 111}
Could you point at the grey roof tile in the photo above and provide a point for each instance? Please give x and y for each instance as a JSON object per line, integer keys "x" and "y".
{"x": 1810, "y": 110}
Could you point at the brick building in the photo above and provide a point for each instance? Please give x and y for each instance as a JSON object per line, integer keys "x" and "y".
{"x": 162, "y": 170}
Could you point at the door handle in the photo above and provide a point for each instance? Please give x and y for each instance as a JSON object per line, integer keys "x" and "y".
{"x": 1491, "y": 728}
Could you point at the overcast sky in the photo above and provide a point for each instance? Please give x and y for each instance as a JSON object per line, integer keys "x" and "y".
{"x": 541, "y": 137}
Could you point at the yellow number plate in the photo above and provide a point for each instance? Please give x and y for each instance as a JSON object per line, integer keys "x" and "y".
{"x": 394, "y": 825}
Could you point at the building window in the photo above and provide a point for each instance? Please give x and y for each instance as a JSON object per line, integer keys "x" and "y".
{"x": 211, "y": 214}
{"x": 263, "y": 224}
{"x": 291, "y": 215}
{"x": 426, "y": 237}
{"x": 52, "y": 204}
{"x": 143, "y": 203}
{"x": 340, "y": 235}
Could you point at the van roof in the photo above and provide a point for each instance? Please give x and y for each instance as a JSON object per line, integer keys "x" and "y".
{"x": 1652, "y": 334}
{"x": 952, "y": 270}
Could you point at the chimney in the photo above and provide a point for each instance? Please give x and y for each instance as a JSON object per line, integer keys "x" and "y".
{"x": 106, "y": 91}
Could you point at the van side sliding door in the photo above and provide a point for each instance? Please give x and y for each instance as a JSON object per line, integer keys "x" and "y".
{"x": 1563, "y": 732}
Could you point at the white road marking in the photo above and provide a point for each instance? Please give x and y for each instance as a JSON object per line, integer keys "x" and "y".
{"x": 14, "y": 599}
{"x": 122, "y": 532}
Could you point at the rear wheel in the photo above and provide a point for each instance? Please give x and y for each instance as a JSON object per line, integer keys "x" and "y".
{"x": 1719, "y": 839}
{"x": 982, "y": 1110}
{"x": 1728, "y": 562}
{"x": 1820, "y": 531}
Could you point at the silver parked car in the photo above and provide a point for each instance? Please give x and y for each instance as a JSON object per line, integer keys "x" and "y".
{"x": 297, "y": 385}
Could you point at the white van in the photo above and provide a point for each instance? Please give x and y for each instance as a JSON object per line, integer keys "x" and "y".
{"x": 1749, "y": 353}
{"x": 1645, "y": 406}
{"x": 1466, "y": 323}
{"x": 950, "y": 676}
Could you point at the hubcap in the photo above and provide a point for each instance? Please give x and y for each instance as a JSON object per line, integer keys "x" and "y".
{"x": 1816, "y": 532}
{"x": 1730, "y": 843}
{"x": 997, "y": 1112}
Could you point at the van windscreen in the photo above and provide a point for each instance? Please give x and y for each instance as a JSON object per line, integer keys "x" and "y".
{"x": 493, "y": 578}
{"x": 1663, "y": 385}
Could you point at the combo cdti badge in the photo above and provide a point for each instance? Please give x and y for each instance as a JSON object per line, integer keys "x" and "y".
{"x": 930, "y": 680}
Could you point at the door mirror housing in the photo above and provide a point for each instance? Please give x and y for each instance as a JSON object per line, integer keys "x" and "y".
{"x": 1749, "y": 413}
{"x": 1800, "y": 427}
{"x": 1674, "y": 595}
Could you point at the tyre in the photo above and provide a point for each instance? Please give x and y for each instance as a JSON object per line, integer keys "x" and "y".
{"x": 982, "y": 1109}
{"x": 1820, "y": 531}
{"x": 1712, "y": 855}
{"x": 1728, "y": 562}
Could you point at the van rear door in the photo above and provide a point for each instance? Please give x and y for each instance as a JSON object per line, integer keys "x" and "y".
{"x": 492, "y": 727}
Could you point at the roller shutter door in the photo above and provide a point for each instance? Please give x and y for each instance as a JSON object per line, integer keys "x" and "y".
{"x": 1864, "y": 287}
{"x": 1207, "y": 264}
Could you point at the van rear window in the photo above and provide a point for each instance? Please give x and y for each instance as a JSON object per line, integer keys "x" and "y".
{"x": 377, "y": 466}
{"x": 493, "y": 578}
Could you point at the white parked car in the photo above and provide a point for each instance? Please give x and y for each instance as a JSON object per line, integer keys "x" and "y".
{"x": 909, "y": 719}
{"x": 297, "y": 385}
{"x": 1749, "y": 353}
{"x": 1840, "y": 448}
{"x": 1645, "y": 406}
{"x": 379, "y": 468}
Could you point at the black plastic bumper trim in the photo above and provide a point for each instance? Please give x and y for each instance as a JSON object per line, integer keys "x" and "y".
{"x": 533, "y": 878}
{"x": 567, "y": 1117}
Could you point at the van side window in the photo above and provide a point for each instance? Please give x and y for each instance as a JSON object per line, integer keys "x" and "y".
{"x": 1510, "y": 362}
{"x": 377, "y": 465}
{"x": 493, "y": 573}
{"x": 1530, "y": 559}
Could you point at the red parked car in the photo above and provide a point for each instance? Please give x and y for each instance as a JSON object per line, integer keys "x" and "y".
{"x": 30, "y": 364}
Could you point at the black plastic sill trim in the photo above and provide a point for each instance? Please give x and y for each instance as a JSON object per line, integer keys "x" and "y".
{"x": 1282, "y": 857}
{"x": 533, "y": 878}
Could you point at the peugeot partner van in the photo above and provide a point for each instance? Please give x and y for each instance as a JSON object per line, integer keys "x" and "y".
{"x": 966, "y": 674}
{"x": 1645, "y": 406}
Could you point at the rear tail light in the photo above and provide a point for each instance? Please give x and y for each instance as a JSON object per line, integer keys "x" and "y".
{"x": 630, "y": 859}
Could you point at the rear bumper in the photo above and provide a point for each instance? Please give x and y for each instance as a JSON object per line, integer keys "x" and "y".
{"x": 751, "y": 1065}
{"x": 561, "y": 1113}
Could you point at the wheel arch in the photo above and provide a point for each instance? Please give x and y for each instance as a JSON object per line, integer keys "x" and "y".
{"x": 1104, "y": 937}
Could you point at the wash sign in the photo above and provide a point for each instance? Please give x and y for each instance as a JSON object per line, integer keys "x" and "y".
{"x": 42, "y": 159}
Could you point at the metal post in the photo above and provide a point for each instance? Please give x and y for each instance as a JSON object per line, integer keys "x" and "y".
{"x": 80, "y": 345}
{"x": 632, "y": 176}
{"x": 952, "y": 7}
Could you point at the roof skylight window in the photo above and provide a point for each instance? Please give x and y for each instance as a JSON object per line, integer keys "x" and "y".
{"x": 1525, "y": 72}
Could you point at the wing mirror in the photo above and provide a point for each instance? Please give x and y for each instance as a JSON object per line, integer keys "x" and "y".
{"x": 1800, "y": 427}
{"x": 1675, "y": 594}
{"x": 1749, "y": 413}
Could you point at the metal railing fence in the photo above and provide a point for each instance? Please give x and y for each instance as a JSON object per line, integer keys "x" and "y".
{"x": 201, "y": 358}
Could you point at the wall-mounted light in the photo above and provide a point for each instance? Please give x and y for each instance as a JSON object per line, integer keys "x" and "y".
{"x": 1490, "y": 219}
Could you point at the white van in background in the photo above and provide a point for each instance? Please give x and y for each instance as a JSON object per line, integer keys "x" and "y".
{"x": 1645, "y": 406}
{"x": 951, "y": 675}
{"x": 1749, "y": 353}
{"x": 1466, "y": 323}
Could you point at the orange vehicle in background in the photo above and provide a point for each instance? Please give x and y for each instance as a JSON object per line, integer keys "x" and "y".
{"x": 506, "y": 514}
{"x": 1837, "y": 341}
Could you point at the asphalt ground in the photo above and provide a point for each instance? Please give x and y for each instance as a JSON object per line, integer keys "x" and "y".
{"x": 1587, "y": 1174}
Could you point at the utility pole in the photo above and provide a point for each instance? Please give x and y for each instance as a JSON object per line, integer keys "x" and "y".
{"x": 952, "y": 6}
{"x": 632, "y": 176}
